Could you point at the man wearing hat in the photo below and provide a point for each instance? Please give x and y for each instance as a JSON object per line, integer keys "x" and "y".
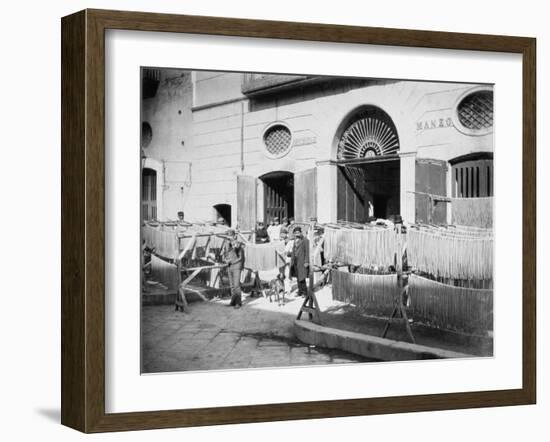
{"x": 284, "y": 228}
{"x": 233, "y": 255}
{"x": 299, "y": 260}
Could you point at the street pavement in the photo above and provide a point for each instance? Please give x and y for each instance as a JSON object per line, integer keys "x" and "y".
{"x": 213, "y": 336}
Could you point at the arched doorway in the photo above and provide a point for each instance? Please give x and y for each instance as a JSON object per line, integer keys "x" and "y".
{"x": 368, "y": 166}
{"x": 223, "y": 211}
{"x": 148, "y": 194}
{"x": 278, "y": 195}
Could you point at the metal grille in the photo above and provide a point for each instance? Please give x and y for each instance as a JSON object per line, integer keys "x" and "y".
{"x": 475, "y": 112}
{"x": 367, "y": 137}
{"x": 277, "y": 140}
{"x": 473, "y": 179}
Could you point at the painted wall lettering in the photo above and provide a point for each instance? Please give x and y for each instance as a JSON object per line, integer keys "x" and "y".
{"x": 435, "y": 123}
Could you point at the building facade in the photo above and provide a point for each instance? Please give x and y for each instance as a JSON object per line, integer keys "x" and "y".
{"x": 247, "y": 147}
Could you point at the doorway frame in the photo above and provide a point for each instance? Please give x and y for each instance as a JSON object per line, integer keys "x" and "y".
{"x": 158, "y": 167}
{"x": 263, "y": 185}
{"x": 373, "y": 160}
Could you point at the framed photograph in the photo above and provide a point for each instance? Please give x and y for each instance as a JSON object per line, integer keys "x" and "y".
{"x": 267, "y": 221}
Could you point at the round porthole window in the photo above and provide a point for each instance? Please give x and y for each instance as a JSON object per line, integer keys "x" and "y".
{"x": 475, "y": 112}
{"x": 277, "y": 140}
{"x": 146, "y": 134}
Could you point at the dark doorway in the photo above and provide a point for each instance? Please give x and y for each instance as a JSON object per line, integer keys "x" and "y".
{"x": 278, "y": 195}
{"x": 223, "y": 211}
{"x": 369, "y": 189}
{"x": 148, "y": 194}
{"x": 382, "y": 187}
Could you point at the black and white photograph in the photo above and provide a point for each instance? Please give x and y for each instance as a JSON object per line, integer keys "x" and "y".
{"x": 300, "y": 220}
{"x": 242, "y": 221}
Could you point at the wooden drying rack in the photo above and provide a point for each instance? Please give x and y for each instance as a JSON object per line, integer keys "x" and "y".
{"x": 310, "y": 305}
{"x": 186, "y": 274}
{"x": 399, "y": 313}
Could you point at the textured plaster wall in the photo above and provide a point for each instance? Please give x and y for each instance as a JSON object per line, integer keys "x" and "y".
{"x": 202, "y": 118}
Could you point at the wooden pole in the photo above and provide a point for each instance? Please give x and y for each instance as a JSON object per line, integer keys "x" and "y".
{"x": 310, "y": 304}
{"x": 181, "y": 301}
{"x": 178, "y": 271}
{"x": 402, "y": 288}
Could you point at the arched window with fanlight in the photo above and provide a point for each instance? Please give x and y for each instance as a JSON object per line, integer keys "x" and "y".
{"x": 472, "y": 175}
{"x": 370, "y": 133}
{"x": 368, "y": 177}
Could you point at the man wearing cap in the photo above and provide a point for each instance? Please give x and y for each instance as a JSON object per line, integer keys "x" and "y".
{"x": 284, "y": 229}
{"x": 233, "y": 255}
{"x": 181, "y": 223}
{"x": 291, "y": 225}
{"x": 299, "y": 260}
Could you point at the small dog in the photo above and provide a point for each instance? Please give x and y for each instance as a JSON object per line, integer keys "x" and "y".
{"x": 277, "y": 289}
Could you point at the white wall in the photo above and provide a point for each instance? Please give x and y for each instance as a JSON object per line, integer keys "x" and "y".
{"x": 424, "y": 114}
{"x": 29, "y": 328}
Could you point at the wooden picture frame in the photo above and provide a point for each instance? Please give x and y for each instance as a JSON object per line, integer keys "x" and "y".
{"x": 83, "y": 220}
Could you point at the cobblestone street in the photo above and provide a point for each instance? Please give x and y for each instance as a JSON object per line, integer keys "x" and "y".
{"x": 213, "y": 336}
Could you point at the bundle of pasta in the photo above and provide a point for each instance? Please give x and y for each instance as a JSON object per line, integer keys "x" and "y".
{"x": 164, "y": 242}
{"x": 264, "y": 256}
{"x": 450, "y": 254}
{"x": 450, "y": 307}
{"x": 371, "y": 293}
{"x": 368, "y": 247}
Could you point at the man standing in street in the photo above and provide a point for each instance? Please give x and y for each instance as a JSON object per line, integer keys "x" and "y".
{"x": 289, "y": 246}
{"x": 299, "y": 260}
{"x": 234, "y": 258}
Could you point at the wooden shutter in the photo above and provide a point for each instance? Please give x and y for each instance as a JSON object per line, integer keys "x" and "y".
{"x": 246, "y": 202}
{"x": 431, "y": 178}
{"x": 305, "y": 195}
{"x": 351, "y": 195}
{"x": 149, "y": 194}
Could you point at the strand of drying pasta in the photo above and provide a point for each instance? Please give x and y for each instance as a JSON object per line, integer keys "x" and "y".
{"x": 472, "y": 211}
{"x": 164, "y": 242}
{"x": 360, "y": 247}
{"x": 450, "y": 307}
{"x": 264, "y": 256}
{"x": 450, "y": 256}
{"x": 368, "y": 292}
{"x": 456, "y": 231}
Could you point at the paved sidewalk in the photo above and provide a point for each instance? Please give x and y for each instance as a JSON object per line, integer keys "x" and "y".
{"x": 213, "y": 336}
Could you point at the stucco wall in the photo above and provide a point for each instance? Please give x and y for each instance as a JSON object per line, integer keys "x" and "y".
{"x": 222, "y": 133}
{"x": 169, "y": 114}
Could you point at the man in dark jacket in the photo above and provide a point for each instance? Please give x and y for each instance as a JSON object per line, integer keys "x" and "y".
{"x": 233, "y": 255}
{"x": 299, "y": 260}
